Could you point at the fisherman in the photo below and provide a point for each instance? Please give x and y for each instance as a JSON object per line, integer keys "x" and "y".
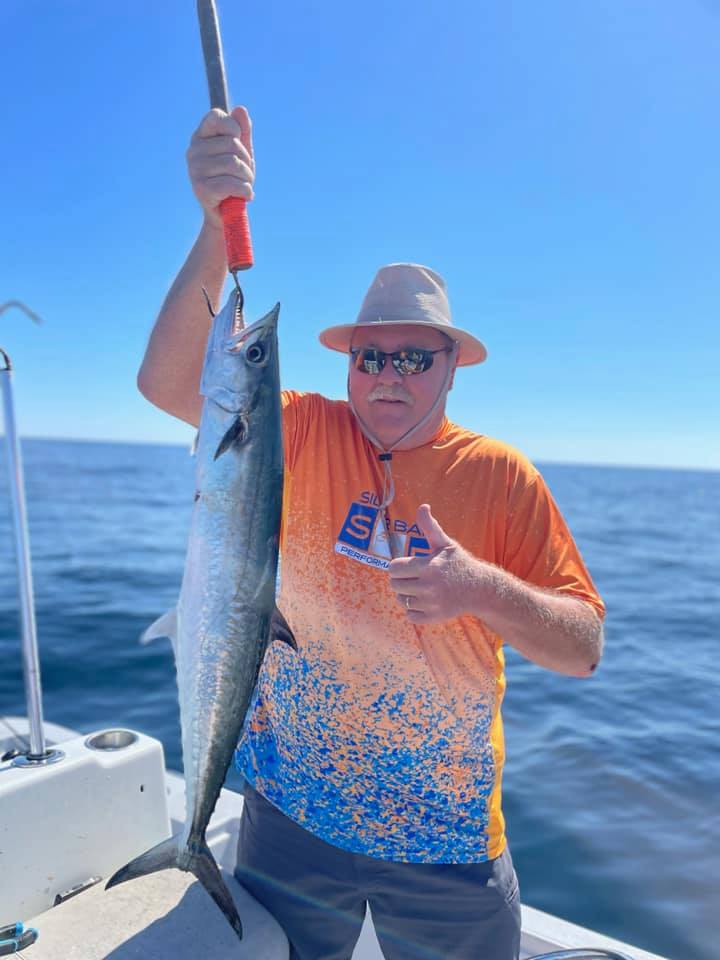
{"x": 412, "y": 550}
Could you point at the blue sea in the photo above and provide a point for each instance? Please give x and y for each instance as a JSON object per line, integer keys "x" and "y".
{"x": 612, "y": 785}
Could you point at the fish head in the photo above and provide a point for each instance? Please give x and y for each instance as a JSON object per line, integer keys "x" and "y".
{"x": 241, "y": 363}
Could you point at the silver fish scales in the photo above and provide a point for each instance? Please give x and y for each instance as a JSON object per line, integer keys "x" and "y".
{"x": 226, "y": 614}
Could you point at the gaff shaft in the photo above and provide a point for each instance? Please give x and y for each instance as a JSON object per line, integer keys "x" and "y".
{"x": 233, "y": 210}
{"x": 31, "y": 659}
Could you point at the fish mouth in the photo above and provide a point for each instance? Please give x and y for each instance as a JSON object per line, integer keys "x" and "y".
{"x": 231, "y": 351}
{"x": 266, "y": 325}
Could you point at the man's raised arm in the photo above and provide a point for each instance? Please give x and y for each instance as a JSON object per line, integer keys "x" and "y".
{"x": 220, "y": 164}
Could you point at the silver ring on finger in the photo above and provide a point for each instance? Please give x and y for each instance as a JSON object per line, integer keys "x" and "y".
{"x": 408, "y": 600}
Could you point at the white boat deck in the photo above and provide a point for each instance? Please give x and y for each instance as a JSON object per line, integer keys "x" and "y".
{"x": 169, "y": 916}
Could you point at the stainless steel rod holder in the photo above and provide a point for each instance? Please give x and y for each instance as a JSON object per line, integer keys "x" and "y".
{"x": 31, "y": 660}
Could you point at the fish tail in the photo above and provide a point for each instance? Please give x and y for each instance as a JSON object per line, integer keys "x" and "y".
{"x": 200, "y": 862}
{"x": 208, "y": 873}
{"x": 161, "y": 857}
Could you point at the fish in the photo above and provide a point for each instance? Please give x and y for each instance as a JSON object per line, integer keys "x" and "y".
{"x": 226, "y": 614}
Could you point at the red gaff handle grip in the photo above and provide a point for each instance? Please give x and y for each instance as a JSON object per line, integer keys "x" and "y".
{"x": 238, "y": 244}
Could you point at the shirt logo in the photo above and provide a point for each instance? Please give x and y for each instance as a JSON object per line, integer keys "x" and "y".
{"x": 365, "y": 537}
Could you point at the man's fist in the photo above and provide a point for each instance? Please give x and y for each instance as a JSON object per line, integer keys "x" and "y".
{"x": 438, "y": 586}
{"x": 220, "y": 160}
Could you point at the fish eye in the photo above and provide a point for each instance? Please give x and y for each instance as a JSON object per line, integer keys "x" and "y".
{"x": 255, "y": 353}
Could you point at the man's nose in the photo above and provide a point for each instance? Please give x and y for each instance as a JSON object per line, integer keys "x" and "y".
{"x": 389, "y": 374}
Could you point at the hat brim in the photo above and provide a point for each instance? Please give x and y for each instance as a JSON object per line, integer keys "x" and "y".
{"x": 470, "y": 349}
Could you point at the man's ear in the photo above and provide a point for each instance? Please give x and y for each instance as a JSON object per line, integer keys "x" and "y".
{"x": 452, "y": 379}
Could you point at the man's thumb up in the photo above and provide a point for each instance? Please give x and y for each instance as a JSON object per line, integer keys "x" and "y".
{"x": 434, "y": 533}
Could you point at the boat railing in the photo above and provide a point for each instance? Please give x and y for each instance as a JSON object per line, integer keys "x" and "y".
{"x": 583, "y": 954}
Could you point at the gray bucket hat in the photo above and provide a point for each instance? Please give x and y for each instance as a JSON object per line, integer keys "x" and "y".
{"x": 407, "y": 293}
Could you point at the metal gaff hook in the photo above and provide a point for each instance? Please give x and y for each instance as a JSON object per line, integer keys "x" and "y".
{"x": 19, "y": 305}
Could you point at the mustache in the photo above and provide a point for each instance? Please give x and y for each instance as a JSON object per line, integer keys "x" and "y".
{"x": 382, "y": 392}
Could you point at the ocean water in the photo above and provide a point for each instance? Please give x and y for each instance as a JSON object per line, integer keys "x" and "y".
{"x": 612, "y": 784}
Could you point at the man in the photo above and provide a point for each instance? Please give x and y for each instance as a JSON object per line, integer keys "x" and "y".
{"x": 412, "y": 549}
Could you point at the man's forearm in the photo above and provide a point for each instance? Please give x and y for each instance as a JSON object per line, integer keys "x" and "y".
{"x": 558, "y": 632}
{"x": 553, "y": 630}
{"x": 170, "y": 373}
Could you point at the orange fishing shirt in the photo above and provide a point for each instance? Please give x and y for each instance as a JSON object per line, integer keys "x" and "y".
{"x": 378, "y": 736}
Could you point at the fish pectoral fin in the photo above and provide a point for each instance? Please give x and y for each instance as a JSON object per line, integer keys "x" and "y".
{"x": 280, "y": 630}
{"x": 235, "y": 435}
{"x": 164, "y": 626}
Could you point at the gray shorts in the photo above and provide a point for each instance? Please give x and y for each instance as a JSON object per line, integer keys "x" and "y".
{"x": 318, "y": 893}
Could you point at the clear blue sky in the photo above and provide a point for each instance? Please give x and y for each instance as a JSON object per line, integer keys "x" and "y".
{"x": 557, "y": 161}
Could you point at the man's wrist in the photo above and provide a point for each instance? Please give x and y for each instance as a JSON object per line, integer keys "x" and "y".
{"x": 482, "y": 586}
{"x": 210, "y": 247}
{"x": 212, "y": 228}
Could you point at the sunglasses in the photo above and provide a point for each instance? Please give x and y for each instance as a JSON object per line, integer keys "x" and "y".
{"x": 405, "y": 362}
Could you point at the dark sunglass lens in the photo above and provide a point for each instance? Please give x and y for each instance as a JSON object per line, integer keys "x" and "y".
{"x": 408, "y": 362}
{"x": 370, "y": 361}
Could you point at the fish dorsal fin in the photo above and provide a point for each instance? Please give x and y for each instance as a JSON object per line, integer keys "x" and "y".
{"x": 164, "y": 626}
{"x": 234, "y": 436}
{"x": 280, "y": 630}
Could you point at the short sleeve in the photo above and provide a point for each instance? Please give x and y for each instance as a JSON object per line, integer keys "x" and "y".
{"x": 539, "y": 547}
{"x": 296, "y": 416}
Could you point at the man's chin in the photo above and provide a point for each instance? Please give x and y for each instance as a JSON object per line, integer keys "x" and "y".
{"x": 389, "y": 421}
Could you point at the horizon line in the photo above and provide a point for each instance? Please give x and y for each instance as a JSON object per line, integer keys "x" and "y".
{"x": 607, "y": 464}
